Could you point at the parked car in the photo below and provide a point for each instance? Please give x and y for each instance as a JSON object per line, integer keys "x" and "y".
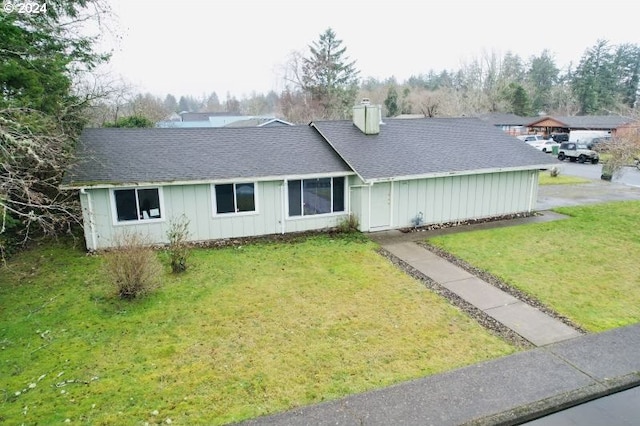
{"x": 560, "y": 137}
{"x": 575, "y": 151}
{"x": 545, "y": 145}
{"x": 531, "y": 138}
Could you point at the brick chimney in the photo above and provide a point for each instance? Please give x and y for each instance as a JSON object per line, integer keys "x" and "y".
{"x": 367, "y": 117}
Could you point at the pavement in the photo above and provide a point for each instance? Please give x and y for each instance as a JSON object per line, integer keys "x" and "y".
{"x": 566, "y": 368}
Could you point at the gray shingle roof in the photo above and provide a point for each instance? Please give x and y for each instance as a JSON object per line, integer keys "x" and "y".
{"x": 500, "y": 119}
{"x": 121, "y": 156}
{"x": 429, "y": 146}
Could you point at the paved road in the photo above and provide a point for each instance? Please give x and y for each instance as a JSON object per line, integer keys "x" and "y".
{"x": 629, "y": 175}
{"x": 623, "y": 187}
{"x": 619, "y": 409}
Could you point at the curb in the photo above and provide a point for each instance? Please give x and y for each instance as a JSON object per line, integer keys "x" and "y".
{"x": 554, "y": 404}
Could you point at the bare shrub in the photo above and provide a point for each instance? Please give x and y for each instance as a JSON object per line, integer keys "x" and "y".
{"x": 349, "y": 224}
{"x": 178, "y": 249}
{"x": 132, "y": 266}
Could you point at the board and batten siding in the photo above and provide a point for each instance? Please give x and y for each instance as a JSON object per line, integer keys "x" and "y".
{"x": 444, "y": 199}
{"x": 196, "y": 203}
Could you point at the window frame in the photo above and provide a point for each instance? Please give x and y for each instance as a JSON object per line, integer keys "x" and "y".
{"x": 214, "y": 201}
{"x": 114, "y": 206}
{"x": 345, "y": 198}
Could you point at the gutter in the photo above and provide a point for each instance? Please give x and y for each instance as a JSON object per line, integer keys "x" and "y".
{"x": 92, "y": 228}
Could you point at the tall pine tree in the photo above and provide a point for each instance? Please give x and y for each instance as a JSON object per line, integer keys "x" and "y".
{"x": 330, "y": 77}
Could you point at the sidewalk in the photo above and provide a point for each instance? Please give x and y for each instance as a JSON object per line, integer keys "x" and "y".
{"x": 506, "y": 391}
{"x": 528, "y": 321}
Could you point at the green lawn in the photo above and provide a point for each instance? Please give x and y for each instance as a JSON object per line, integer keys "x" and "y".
{"x": 245, "y": 332}
{"x": 546, "y": 179}
{"x": 585, "y": 267}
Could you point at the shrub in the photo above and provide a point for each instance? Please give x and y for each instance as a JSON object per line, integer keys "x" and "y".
{"x": 178, "y": 234}
{"x": 349, "y": 224}
{"x": 132, "y": 266}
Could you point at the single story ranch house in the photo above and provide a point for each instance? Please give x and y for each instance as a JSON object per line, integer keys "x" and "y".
{"x": 250, "y": 181}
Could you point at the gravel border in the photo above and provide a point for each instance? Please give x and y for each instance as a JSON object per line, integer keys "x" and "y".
{"x": 478, "y": 315}
{"x": 497, "y": 282}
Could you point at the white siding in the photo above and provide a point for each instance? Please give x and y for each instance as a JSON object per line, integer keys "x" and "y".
{"x": 196, "y": 203}
{"x": 440, "y": 200}
{"x": 463, "y": 197}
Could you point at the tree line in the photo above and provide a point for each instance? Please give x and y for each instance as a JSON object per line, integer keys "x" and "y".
{"x": 324, "y": 83}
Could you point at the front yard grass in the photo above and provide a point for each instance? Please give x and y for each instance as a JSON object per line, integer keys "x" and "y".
{"x": 246, "y": 331}
{"x": 585, "y": 267}
{"x": 546, "y": 179}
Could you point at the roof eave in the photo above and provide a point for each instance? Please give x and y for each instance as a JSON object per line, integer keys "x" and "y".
{"x": 541, "y": 166}
{"x": 106, "y": 185}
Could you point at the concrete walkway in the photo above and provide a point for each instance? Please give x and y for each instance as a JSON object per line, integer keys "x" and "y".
{"x": 528, "y": 321}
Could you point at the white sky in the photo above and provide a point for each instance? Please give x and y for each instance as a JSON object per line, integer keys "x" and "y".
{"x": 193, "y": 47}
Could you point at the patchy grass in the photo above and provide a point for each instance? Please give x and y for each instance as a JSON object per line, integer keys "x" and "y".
{"x": 585, "y": 267}
{"x": 243, "y": 332}
{"x": 547, "y": 179}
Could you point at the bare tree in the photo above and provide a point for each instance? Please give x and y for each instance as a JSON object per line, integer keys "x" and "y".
{"x": 622, "y": 149}
{"x": 34, "y": 152}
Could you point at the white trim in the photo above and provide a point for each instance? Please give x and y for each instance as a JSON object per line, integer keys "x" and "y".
{"x": 283, "y": 209}
{"x": 214, "y": 206}
{"x": 92, "y": 225}
{"x": 208, "y": 181}
{"x": 461, "y": 173}
{"x": 391, "y": 193}
{"x": 369, "y": 209}
{"x": 114, "y": 207}
{"x": 531, "y": 191}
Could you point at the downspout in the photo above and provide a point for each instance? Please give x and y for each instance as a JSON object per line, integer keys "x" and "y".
{"x": 391, "y": 205}
{"x": 92, "y": 228}
{"x": 369, "y": 208}
{"x": 531, "y": 193}
{"x": 282, "y": 208}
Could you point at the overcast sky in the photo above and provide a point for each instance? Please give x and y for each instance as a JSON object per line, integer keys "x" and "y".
{"x": 193, "y": 47}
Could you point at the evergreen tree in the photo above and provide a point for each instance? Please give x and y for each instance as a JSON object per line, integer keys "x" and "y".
{"x": 627, "y": 70}
{"x": 170, "y": 103}
{"x": 519, "y": 100}
{"x": 41, "y": 115}
{"x": 391, "y": 102}
{"x": 594, "y": 83}
{"x": 542, "y": 76}
{"x": 329, "y": 77}
{"x": 132, "y": 121}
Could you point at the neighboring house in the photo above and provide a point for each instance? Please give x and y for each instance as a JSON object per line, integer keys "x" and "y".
{"x": 259, "y": 122}
{"x": 238, "y": 182}
{"x": 509, "y": 123}
{"x": 212, "y": 119}
{"x": 549, "y": 125}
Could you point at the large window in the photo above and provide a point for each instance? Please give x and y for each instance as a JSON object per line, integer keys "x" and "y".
{"x": 235, "y": 198}
{"x": 137, "y": 204}
{"x": 316, "y": 196}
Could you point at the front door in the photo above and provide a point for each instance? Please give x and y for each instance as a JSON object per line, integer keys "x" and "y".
{"x": 380, "y": 205}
